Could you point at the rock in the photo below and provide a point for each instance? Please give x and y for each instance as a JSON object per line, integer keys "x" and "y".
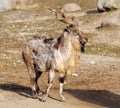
{"x": 107, "y": 5}
{"x": 7, "y": 4}
{"x": 74, "y": 74}
{"x": 92, "y": 62}
{"x": 10, "y": 4}
{"x": 71, "y": 7}
{"x": 111, "y": 22}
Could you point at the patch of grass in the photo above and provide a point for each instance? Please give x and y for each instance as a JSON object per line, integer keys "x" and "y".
{"x": 103, "y": 50}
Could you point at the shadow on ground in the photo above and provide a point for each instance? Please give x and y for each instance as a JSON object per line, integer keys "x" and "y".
{"x": 99, "y": 97}
{"x": 92, "y": 12}
{"x": 19, "y": 89}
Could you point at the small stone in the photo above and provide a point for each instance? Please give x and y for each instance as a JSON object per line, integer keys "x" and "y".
{"x": 74, "y": 74}
{"x": 92, "y": 62}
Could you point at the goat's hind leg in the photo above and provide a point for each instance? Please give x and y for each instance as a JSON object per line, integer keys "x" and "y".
{"x": 33, "y": 71}
{"x": 34, "y": 75}
{"x": 38, "y": 74}
{"x": 32, "y": 79}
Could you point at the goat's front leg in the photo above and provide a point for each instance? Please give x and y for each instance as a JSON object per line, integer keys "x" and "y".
{"x": 51, "y": 76}
{"x": 61, "y": 80}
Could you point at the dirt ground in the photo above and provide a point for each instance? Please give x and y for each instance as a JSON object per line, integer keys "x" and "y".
{"x": 97, "y": 84}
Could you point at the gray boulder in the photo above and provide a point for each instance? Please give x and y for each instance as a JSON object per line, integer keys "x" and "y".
{"x": 107, "y": 5}
{"x": 17, "y": 4}
{"x": 71, "y": 7}
{"x": 7, "y": 4}
{"x": 111, "y": 22}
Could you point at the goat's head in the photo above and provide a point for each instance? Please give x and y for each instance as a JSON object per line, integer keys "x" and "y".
{"x": 72, "y": 26}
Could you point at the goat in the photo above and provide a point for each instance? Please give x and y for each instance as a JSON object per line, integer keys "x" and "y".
{"x": 52, "y": 55}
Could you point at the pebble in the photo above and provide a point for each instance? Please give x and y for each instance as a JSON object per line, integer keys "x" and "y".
{"x": 74, "y": 75}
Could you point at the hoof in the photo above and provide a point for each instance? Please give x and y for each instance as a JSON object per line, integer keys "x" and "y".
{"x": 62, "y": 99}
{"x": 34, "y": 97}
{"x": 44, "y": 98}
{"x": 40, "y": 94}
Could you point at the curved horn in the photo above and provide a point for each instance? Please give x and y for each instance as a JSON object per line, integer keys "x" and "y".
{"x": 71, "y": 23}
{"x": 59, "y": 13}
{"x": 52, "y": 10}
{"x": 61, "y": 16}
{"x": 67, "y": 21}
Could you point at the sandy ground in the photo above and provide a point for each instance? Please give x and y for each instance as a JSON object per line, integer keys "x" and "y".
{"x": 96, "y": 86}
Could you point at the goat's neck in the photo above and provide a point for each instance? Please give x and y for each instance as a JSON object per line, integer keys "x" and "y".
{"x": 65, "y": 42}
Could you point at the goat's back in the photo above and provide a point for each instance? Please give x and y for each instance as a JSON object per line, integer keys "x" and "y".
{"x": 39, "y": 52}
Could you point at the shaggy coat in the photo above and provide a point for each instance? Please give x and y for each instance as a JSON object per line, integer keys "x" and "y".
{"x": 62, "y": 54}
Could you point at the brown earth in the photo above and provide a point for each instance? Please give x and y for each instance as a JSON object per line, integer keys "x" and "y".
{"x": 97, "y": 83}
{"x": 96, "y": 86}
